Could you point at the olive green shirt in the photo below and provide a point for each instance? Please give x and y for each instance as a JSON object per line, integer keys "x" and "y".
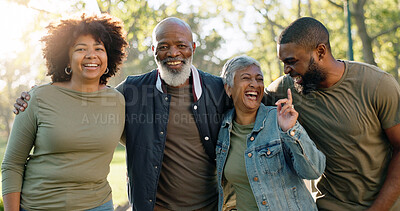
{"x": 235, "y": 167}
{"x": 73, "y": 136}
{"x": 347, "y": 122}
{"x": 188, "y": 179}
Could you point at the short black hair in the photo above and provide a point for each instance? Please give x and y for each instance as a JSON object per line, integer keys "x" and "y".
{"x": 306, "y": 32}
{"x": 62, "y": 35}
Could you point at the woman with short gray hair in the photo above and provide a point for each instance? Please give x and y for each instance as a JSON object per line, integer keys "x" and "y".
{"x": 263, "y": 153}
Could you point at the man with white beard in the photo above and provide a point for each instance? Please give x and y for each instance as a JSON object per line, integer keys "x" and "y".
{"x": 173, "y": 115}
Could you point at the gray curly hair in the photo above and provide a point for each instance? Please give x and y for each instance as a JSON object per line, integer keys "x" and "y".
{"x": 233, "y": 65}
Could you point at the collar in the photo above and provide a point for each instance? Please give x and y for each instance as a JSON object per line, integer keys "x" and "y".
{"x": 196, "y": 90}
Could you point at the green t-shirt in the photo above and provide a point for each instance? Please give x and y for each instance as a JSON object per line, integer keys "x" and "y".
{"x": 73, "y": 136}
{"x": 188, "y": 179}
{"x": 235, "y": 168}
{"x": 347, "y": 122}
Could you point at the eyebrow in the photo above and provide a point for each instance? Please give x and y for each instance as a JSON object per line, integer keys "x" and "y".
{"x": 288, "y": 59}
{"x": 174, "y": 42}
{"x": 250, "y": 74}
{"x": 96, "y": 43}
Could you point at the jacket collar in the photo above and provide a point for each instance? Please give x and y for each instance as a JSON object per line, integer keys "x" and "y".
{"x": 262, "y": 114}
{"x": 196, "y": 90}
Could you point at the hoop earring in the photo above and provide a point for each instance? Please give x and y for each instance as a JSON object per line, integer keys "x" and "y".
{"x": 68, "y": 70}
{"x": 107, "y": 70}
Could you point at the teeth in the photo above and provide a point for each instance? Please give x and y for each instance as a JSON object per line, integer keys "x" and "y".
{"x": 173, "y": 63}
{"x": 252, "y": 97}
{"x": 91, "y": 65}
{"x": 251, "y": 93}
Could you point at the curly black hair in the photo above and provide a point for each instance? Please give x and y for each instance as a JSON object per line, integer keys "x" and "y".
{"x": 62, "y": 35}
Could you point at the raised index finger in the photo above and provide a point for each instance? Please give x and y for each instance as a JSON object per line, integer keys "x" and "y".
{"x": 289, "y": 96}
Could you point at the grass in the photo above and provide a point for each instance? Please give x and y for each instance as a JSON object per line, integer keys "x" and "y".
{"x": 116, "y": 178}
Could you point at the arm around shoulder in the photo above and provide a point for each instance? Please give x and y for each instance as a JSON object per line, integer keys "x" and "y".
{"x": 120, "y": 86}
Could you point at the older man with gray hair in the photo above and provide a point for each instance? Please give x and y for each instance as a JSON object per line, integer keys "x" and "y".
{"x": 173, "y": 115}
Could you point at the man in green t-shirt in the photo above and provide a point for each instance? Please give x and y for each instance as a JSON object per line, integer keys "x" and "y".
{"x": 352, "y": 112}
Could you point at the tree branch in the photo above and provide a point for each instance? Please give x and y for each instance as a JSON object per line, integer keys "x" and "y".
{"x": 385, "y": 32}
{"x": 26, "y": 4}
{"x": 269, "y": 20}
{"x": 335, "y": 4}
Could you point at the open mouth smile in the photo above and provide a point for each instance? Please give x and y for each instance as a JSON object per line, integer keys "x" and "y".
{"x": 252, "y": 95}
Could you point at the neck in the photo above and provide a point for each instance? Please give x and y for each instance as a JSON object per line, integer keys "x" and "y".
{"x": 334, "y": 72}
{"x": 83, "y": 87}
{"x": 182, "y": 85}
{"x": 243, "y": 118}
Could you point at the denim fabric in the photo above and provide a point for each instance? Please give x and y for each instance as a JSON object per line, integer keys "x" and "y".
{"x": 108, "y": 206}
{"x": 276, "y": 162}
{"x": 147, "y": 111}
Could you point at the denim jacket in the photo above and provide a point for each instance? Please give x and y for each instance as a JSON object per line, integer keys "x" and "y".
{"x": 276, "y": 162}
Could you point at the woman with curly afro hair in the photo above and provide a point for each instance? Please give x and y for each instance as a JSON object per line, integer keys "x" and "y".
{"x": 60, "y": 148}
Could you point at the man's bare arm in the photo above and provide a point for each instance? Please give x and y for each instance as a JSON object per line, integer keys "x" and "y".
{"x": 390, "y": 190}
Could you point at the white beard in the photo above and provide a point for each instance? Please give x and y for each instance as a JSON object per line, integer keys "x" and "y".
{"x": 173, "y": 77}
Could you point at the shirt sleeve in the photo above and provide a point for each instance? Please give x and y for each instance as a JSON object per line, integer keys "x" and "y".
{"x": 19, "y": 145}
{"x": 307, "y": 160}
{"x": 120, "y": 87}
{"x": 387, "y": 97}
{"x": 275, "y": 91}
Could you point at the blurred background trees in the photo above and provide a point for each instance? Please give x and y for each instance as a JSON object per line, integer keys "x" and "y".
{"x": 222, "y": 29}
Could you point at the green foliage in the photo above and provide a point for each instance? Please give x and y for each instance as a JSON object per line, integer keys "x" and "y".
{"x": 1, "y": 204}
{"x": 2, "y": 149}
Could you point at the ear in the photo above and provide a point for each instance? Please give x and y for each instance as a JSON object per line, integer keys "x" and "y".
{"x": 228, "y": 90}
{"x": 194, "y": 46}
{"x": 321, "y": 51}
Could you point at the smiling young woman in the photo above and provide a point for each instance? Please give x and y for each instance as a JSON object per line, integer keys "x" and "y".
{"x": 72, "y": 131}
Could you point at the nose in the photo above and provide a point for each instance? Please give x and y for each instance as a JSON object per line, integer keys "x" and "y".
{"x": 173, "y": 51}
{"x": 253, "y": 82}
{"x": 287, "y": 69}
{"x": 91, "y": 53}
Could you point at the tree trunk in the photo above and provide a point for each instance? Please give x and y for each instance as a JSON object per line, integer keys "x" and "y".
{"x": 366, "y": 40}
{"x": 397, "y": 59}
{"x": 276, "y": 49}
{"x": 298, "y": 8}
{"x": 309, "y": 9}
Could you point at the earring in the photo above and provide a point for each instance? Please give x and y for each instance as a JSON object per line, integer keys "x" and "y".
{"x": 68, "y": 70}
{"x": 106, "y": 71}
